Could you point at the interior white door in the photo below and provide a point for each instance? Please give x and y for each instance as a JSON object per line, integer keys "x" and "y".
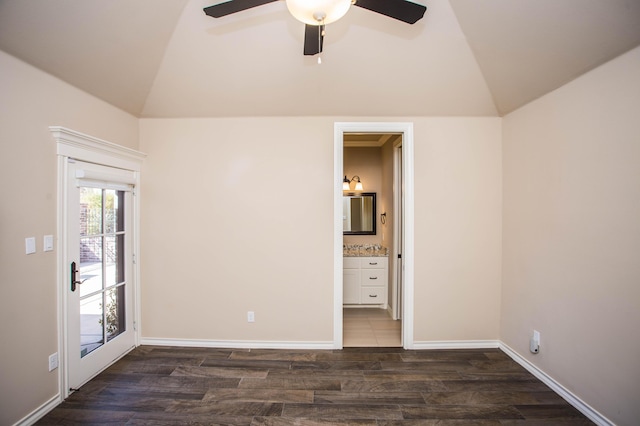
{"x": 99, "y": 287}
{"x": 398, "y": 234}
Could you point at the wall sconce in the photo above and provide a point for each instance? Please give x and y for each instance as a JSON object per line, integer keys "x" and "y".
{"x": 346, "y": 183}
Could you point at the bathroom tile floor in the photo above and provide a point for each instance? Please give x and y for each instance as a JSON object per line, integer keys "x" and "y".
{"x": 370, "y": 327}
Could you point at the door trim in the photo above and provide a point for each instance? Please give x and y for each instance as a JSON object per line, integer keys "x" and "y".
{"x": 73, "y": 144}
{"x": 406, "y": 128}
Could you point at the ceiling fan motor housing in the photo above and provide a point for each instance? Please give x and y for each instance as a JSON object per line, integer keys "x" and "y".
{"x": 318, "y": 12}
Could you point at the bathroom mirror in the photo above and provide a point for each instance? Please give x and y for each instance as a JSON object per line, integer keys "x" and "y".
{"x": 359, "y": 213}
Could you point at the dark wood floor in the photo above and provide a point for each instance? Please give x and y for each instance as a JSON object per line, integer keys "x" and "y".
{"x": 357, "y": 386}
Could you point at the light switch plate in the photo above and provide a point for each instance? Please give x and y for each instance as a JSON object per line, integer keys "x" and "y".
{"x": 53, "y": 361}
{"x": 47, "y": 243}
{"x": 30, "y": 245}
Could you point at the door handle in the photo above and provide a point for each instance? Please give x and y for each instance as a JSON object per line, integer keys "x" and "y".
{"x": 74, "y": 280}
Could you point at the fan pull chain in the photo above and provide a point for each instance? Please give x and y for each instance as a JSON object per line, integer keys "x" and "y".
{"x": 319, "y": 44}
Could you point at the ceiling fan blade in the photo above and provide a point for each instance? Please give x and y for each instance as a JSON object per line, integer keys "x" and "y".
{"x": 233, "y": 6}
{"x": 402, "y": 10}
{"x": 313, "y": 39}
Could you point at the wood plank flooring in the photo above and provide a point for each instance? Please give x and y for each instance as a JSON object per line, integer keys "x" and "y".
{"x": 355, "y": 386}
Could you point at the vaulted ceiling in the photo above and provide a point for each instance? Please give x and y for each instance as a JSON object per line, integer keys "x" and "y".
{"x": 465, "y": 57}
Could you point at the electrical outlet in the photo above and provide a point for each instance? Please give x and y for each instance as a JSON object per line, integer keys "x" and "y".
{"x": 534, "y": 343}
{"x": 53, "y": 361}
{"x": 251, "y": 316}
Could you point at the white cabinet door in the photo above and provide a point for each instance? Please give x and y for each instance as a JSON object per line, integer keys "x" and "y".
{"x": 351, "y": 286}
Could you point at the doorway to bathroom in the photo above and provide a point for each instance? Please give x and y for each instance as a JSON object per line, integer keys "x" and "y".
{"x": 374, "y": 269}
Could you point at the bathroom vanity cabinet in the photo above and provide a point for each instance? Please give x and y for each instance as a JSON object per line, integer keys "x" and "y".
{"x": 365, "y": 280}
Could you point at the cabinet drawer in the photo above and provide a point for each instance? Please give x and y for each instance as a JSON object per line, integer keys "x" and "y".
{"x": 374, "y": 277}
{"x": 374, "y": 295}
{"x": 373, "y": 262}
{"x": 351, "y": 263}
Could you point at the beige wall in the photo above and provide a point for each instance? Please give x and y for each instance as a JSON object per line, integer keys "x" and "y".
{"x": 237, "y": 217}
{"x": 31, "y": 102}
{"x": 222, "y": 233}
{"x": 572, "y": 236}
{"x": 458, "y": 175}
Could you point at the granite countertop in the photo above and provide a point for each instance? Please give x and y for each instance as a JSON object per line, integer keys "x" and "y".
{"x": 364, "y": 250}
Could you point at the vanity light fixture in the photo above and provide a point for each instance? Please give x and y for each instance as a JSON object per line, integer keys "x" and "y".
{"x": 346, "y": 183}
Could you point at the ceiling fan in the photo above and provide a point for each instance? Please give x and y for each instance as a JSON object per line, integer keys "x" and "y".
{"x": 315, "y": 14}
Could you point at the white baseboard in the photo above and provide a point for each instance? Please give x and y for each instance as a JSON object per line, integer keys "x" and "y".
{"x": 40, "y": 412}
{"x": 240, "y": 344}
{"x": 257, "y": 344}
{"x": 566, "y": 394}
{"x": 457, "y": 344}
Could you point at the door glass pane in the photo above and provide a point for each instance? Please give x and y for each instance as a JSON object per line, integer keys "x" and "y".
{"x": 90, "y": 265}
{"x": 119, "y": 211}
{"x": 111, "y": 258}
{"x": 113, "y": 211}
{"x": 90, "y": 211}
{"x": 91, "y": 330}
{"x": 120, "y": 258}
{"x": 115, "y": 312}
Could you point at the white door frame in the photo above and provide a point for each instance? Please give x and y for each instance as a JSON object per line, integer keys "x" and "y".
{"x": 72, "y": 144}
{"x": 340, "y": 128}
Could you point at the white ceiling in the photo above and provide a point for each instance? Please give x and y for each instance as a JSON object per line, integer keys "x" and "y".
{"x": 465, "y": 57}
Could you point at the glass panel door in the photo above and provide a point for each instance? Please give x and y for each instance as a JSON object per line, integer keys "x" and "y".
{"x": 99, "y": 298}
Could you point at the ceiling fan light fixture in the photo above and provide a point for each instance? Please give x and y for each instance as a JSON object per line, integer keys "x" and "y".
{"x": 318, "y": 12}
